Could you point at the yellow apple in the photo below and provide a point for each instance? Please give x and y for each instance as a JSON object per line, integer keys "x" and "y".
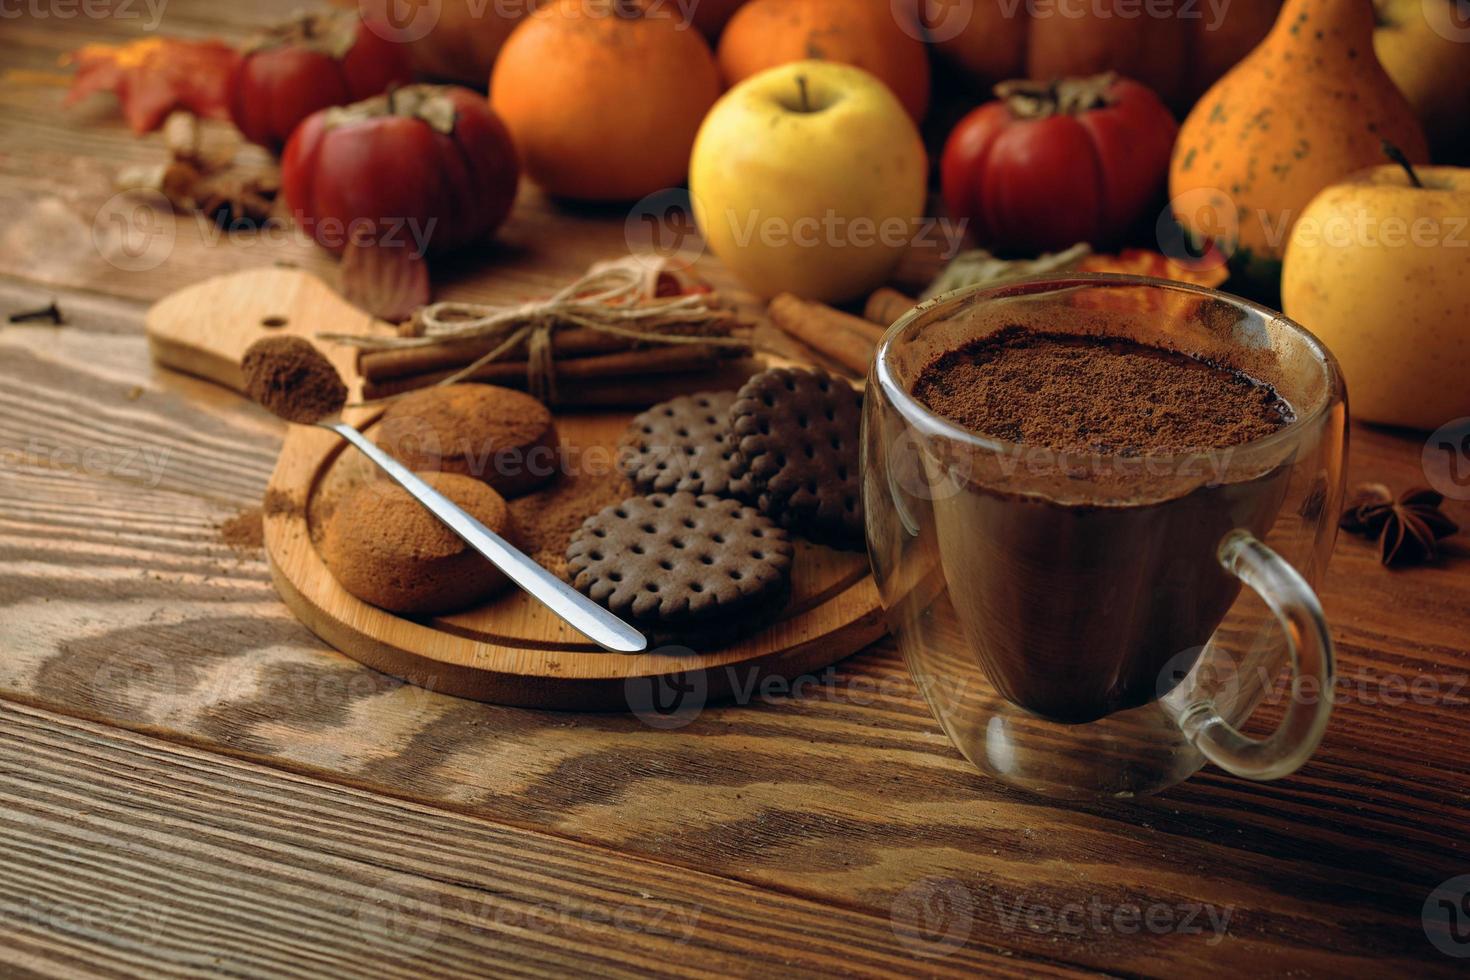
{"x": 1426, "y": 51}
{"x": 809, "y": 178}
{"x": 1379, "y": 269}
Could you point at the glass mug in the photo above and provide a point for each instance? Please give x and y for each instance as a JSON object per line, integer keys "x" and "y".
{"x": 1077, "y": 623}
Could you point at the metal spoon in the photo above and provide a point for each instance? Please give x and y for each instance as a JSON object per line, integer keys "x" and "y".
{"x": 580, "y": 612}
{"x": 288, "y": 376}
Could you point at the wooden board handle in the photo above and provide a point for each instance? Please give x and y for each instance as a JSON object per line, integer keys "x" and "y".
{"x": 204, "y": 330}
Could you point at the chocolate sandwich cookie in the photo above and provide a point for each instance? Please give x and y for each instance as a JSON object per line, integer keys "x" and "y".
{"x": 681, "y": 562}
{"x": 683, "y": 445}
{"x": 795, "y": 436}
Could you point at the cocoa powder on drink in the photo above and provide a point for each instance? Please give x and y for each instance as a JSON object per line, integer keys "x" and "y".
{"x": 1097, "y": 395}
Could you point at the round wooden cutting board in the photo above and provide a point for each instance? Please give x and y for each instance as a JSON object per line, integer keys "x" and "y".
{"x": 513, "y": 651}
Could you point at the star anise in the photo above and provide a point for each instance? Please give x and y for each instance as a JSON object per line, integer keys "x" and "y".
{"x": 1407, "y": 528}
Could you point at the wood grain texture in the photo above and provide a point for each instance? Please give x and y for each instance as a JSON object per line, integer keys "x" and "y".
{"x": 128, "y": 856}
{"x": 119, "y": 603}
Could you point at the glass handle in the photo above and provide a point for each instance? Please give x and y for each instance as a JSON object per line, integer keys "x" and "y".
{"x": 1309, "y": 645}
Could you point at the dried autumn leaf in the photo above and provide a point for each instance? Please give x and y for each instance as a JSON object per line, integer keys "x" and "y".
{"x": 1142, "y": 262}
{"x": 155, "y": 75}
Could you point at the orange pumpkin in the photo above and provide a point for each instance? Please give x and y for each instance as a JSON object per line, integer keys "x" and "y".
{"x": 604, "y": 97}
{"x": 1310, "y": 105}
{"x": 864, "y": 33}
{"x": 1177, "y": 56}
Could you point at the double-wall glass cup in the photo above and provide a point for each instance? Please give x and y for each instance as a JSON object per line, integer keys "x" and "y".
{"x": 1092, "y": 626}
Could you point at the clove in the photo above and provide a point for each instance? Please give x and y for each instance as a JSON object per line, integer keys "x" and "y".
{"x": 49, "y": 314}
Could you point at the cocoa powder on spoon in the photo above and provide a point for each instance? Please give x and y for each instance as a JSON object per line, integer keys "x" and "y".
{"x": 290, "y": 377}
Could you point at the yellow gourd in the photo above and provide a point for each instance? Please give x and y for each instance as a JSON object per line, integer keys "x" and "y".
{"x": 1310, "y": 105}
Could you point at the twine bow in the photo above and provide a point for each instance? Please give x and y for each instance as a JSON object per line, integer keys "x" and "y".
{"x": 618, "y": 297}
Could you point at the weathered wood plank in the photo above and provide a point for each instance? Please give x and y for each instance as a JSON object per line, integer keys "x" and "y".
{"x": 125, "y": 855}
{"x": 119, "y": 602}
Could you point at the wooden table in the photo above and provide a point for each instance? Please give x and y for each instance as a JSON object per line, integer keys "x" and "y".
{"x": 191, "y": 783}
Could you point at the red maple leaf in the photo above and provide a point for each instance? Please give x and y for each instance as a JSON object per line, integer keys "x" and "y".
{"x": 156, "y": 75}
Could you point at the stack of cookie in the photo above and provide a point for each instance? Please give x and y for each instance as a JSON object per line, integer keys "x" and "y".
{"x": 478, "y": 445}
{"x": 725, "y": 478}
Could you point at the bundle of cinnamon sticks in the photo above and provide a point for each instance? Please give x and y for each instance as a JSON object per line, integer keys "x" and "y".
{"x": 592, "y": 368}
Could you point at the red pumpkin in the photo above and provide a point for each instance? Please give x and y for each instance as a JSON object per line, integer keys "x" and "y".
{"x": 1046, "y": 166}
{"x": 425, "y": 166}
{"x": 308, "y": 63}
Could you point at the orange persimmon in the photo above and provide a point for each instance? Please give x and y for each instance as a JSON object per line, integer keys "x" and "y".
{"x": 869, "y": 35}
{"x": 603, "y": 97}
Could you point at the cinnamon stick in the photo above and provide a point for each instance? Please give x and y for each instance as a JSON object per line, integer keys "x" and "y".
{"x": 887, "y": 305}
{"x": 567, "y": 342}
{"x": 846, "y": 339}
{"x": 380, "y": 365}
{"x": 618, "y": 366}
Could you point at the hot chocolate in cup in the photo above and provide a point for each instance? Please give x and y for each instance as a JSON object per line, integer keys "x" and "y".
{"x": 1075, "y": 605}
{"x": 1067, "y": 482}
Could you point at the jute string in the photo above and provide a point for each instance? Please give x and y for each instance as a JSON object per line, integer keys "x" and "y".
{"x": 618, "y": 298}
